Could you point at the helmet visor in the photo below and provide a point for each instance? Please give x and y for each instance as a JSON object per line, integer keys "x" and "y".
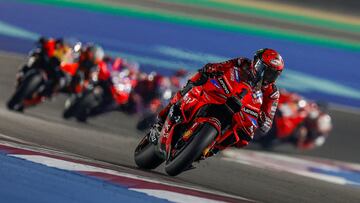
{"x": 270, "y": 75}
{"x": 259, "y": 67}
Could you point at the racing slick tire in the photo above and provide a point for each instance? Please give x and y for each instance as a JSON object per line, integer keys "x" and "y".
{"x": 193, "y": 150}
{"x": 145, "y": 155}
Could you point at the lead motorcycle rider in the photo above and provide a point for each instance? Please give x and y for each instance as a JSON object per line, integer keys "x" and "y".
{"x": 261, "y": 74}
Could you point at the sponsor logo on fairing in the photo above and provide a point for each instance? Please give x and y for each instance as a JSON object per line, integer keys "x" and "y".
{"x": 224, "y": 86}
{"x": 250, "y": 112}
{"x": 237, "y": 76}
{"x": 215, "y": 83}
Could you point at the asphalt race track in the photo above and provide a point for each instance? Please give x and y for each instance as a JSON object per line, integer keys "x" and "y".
{"x": 112, "y": 138}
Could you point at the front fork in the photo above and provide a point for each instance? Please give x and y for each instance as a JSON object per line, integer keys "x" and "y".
{"x": 162, "y": 137}
{"x": 174, "y": 118}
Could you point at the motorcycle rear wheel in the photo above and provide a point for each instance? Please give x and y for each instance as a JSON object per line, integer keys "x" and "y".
{"x": 201, "y": 139}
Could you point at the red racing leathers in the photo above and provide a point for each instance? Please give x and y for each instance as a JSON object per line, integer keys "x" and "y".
{"x": 269, "y": 91}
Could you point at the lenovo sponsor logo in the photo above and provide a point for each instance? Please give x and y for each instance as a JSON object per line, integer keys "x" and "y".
{"x": 250, "y": 112}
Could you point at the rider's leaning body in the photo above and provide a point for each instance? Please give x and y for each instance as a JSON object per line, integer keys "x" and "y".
{"x": 261, "y": 74}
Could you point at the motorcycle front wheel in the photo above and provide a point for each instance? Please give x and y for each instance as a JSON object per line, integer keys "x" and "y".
{"x": 145, "y": 155}
{"x": 25, "y": 90}
{"x": 182, "y": 161}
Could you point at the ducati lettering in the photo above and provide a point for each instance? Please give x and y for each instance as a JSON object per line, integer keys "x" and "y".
{"x": 224, "y": 86}
{"x": 250, "y": 112}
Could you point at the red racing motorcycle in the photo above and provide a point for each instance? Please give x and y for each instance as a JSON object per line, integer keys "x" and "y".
{"x": 220, "y": 113}
{"x": 106, "y": 91}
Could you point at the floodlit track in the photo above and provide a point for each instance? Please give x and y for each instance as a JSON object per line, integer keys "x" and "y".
{"x": 112, "y": 139}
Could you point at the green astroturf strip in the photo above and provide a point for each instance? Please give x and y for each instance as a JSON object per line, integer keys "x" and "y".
{"x": 203, "y": 22}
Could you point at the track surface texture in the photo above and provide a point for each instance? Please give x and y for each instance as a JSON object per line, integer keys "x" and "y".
{"x": 112, "y": 138}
